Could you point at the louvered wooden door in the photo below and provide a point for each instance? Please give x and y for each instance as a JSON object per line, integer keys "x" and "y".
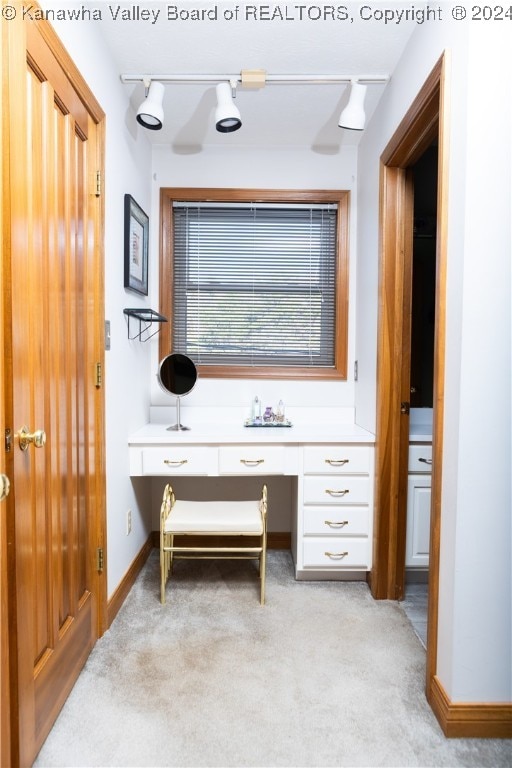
{"x": 56, "y": 310}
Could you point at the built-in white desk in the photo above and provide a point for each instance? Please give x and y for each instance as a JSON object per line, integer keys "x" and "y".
{"x": 332, "y": 529}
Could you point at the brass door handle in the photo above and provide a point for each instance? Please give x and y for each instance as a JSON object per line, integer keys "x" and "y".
{"x": 331, "y": 492}
{"x": 5, "y": 487}
{"x": 336, "y": 523}
{"x": 38, "y": 438}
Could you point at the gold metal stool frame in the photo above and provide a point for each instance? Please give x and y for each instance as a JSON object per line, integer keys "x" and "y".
{"x": 211, "y": 518}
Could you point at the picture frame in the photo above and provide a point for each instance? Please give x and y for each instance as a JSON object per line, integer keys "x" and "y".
{"x": 136, "y": 237}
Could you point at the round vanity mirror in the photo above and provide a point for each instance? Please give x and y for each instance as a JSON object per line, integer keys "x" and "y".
{"x": 177, "y": 374}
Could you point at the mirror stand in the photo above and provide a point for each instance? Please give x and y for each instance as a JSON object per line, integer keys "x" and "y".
{"x": 177, "y": 374}
{"x": 178, "y": 427}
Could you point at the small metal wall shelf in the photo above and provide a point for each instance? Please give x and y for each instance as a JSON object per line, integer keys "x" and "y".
{"x": 146, "y": 316}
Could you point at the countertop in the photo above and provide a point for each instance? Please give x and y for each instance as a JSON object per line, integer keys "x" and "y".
{"x": 218, "y": 434}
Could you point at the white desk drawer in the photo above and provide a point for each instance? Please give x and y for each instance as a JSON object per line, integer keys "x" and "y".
{"x": 346, "y": 521}
{"x": 336, "y": 459}
{"x": 336, "y": 552}
{"x": 252, "y": 460}
{"x": 420, "y": 458}
{"x": 177, "y": 460}
{"x": 336, "y": 490}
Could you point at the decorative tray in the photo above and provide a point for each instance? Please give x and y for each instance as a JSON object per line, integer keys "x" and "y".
{"x": 285, "y": 423}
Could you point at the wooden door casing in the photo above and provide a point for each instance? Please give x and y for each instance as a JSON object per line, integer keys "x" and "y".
{"x": 58, "y": 598}
{"x": 426, "y": 120}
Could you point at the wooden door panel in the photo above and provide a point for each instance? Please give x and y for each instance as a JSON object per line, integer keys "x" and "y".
{"x": 64, "y": 606}
{"x": 55, "y": 315}
{"x": 5, "y": 739}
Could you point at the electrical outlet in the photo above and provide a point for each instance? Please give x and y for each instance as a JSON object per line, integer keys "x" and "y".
{"x": 128, "y": 522}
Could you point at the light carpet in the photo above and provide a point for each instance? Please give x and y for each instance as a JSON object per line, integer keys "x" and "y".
{"x": 322, "y": 675}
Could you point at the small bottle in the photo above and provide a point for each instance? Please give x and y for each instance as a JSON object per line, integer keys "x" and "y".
{"x": 268, "y": 416}
{"x": 256, "y": 410}
{"x": 280, "y": 412}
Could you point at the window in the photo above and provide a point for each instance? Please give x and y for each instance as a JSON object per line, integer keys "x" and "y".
{"x": 254, "y": 283}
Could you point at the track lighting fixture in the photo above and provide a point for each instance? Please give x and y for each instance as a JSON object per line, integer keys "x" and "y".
{"x": 353, "y": 116}
{"x": 150, "y": 114}
{"x": 227, "y": 115}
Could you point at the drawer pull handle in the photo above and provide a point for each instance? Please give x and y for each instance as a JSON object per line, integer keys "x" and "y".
{"x": 337, "y": 493}
{"x": 426, "y": 461}
{"x": 336, "y": 555}
{"x": 337, "y": 462}
{"x": 336, "y": 523}
{"x": 171, "y": 463}
{"x": 252, "y": 462}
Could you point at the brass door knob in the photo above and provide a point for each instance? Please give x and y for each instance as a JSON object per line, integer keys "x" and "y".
{"x": 38, "y": 438}
{"x": 5, "y": 487}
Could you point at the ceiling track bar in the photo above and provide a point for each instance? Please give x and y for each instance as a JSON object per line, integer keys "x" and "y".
{"x": 270, "y": 79}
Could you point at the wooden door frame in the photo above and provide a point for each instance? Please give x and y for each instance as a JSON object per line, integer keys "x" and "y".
{"x": 426, "y": 120}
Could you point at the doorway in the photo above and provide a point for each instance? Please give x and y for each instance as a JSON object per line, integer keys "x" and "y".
{"x": 425, "y": 181}
{"x": 424, "y": 124}
{"x": 424, "y": 175}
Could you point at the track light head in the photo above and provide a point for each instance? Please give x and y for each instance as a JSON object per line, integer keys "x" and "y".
{"x": 150, "y": 114}
{"x": 353, "y": 116}
{"x": 227, "y": 116}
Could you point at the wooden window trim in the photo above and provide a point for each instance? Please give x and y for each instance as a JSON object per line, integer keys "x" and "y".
{"x": 341, "y": 197}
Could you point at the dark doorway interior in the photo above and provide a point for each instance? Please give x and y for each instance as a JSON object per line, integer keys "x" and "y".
{"x": 423, "y": 278}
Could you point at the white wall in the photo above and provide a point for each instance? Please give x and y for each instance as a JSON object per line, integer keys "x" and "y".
{"x": 474, "y": 649}
{"x": 484, "y": 458}
{"x": 273, "y": 168}
{"x": 128, "y": 163}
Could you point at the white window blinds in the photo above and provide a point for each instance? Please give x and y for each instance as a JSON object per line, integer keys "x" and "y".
{"x": 255, "y": 284}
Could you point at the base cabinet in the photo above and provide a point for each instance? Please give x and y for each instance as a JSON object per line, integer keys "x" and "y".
{"x": 419, "y": 493}
{"x": 334, "y": 521}
{"x": 418, "y": 521}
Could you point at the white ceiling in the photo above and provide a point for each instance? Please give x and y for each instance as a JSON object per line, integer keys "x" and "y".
{"x": 279, "y": 115}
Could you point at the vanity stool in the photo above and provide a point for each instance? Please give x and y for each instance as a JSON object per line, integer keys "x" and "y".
{"x": 206, "y": 519}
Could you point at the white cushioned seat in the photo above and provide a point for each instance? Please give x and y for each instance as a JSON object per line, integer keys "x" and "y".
{"x": 215, "y": 517}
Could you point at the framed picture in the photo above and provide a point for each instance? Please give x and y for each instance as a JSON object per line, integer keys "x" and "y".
{"x": 136, "y": 232}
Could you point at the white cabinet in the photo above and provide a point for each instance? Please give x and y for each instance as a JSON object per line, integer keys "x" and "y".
{"x": 252, "y": 460}
{"x": 418, "y": 506}
{"x": 336, "y": 553}
{"x": 334, "y": 459}
{"x": 346, "y": 521}
{"x": 179, "y": 460}
{"x": 332, "y": 492}
{"x": 418, "y": 521}
{"x": 334, "y": 522}
{"x": 420, "y": 457}
{"x": 341, "y": 489}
